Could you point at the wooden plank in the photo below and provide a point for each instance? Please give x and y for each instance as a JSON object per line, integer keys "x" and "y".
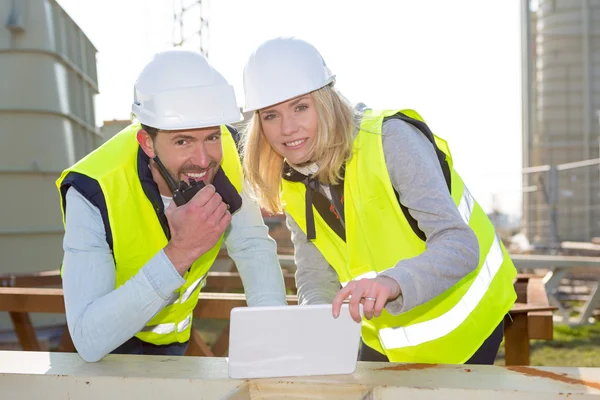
{"x": 49, "y": 300}
{"x": 25, "y": 331}
{"x": 36, "y": 279}
{"x": 521, "y": 291}
{"x": 197, "y": 347}
{"x": 523, "y": 308}
{"x": 66, "y": 343}
{"x": 224, "y": 281}
{"x": 531, "y": 319}
{"x": 516, "y": 339}
{"x": 40, "y": 279}
{"x": 216, "y": 280}
{"x": 536, "y": 292}
{"x": 540, "y": 325}
{"x": 222, "y": 344}
{"x": 219, "y": 305}
{"x": 43, "y": 300}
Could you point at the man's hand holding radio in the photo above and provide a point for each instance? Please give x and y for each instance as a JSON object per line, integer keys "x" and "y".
{"x": 195, "y": 227}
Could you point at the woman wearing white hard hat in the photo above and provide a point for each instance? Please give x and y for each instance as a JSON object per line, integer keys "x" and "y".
{"x": 377, "y": 213}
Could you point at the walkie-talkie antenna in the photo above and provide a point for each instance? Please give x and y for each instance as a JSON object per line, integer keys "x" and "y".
{"x": 163, "y": 171}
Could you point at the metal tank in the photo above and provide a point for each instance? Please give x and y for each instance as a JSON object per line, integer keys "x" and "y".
{"x": 562, "y": 201}
{"x": 47, "y": 122}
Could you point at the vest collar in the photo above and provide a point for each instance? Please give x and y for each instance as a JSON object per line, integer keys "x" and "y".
{"x": 150, "y": 188}
{"x": 312, "y": 184}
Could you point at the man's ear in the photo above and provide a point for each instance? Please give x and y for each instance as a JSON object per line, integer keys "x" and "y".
{"x": 146, "y": 143}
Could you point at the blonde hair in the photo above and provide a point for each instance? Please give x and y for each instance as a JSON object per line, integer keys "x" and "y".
{"x": 332, "y": 148}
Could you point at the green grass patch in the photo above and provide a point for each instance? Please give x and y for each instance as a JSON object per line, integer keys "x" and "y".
{"x": 577, "y": 346}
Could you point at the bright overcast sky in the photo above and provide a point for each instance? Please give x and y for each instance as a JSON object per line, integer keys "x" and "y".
{"x": 456, "y": 62}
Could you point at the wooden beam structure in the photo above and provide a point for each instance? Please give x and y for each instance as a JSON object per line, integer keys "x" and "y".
{"x": 530, "y": 318}
{"x": 216, "y": 280}
{"x": 558, "y": 268}
{"x": 230, "y": 281}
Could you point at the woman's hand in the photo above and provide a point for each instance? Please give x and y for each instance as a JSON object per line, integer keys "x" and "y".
{"x": 371, "y": 293}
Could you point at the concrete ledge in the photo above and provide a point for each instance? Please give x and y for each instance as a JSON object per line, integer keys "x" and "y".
{"x": 33, "y": 375}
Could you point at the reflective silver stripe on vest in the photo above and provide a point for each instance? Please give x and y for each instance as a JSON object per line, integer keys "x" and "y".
{"x": 163, "y": 329}
{"x": 414, "y": 335}
{"x": 182, "y": 326}
{"x": 188, "y": 292}
{"x": 465, "y": 206}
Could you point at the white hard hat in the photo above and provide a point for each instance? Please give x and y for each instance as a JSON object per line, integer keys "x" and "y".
{"x": 179, "y": 89}
{"x": 281, "y": 69}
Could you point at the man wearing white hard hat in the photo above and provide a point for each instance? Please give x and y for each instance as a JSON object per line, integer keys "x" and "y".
{"x": 146, "y": 213}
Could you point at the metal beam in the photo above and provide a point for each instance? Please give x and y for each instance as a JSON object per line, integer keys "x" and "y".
{"x": 523, "y": 261}
{"x": 587, "y": 109}
{"x": 526, "y": 82}
{"x": 541, "y": 168}
{"x": 578, "y": 164}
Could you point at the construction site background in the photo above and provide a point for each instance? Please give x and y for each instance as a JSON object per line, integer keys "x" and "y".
{"x": 551, "y": 206}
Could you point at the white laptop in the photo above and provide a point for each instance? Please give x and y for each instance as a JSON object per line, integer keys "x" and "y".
{"x": 267, "y": 342}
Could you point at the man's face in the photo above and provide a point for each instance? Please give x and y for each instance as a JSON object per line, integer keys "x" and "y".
{"x": 187, "y": 154}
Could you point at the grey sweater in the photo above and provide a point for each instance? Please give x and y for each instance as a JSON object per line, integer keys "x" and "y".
{"x": 452, "y": 248}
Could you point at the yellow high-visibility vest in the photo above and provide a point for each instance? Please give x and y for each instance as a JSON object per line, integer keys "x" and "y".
{"x": 452, "y": 326}
{"x": 137, "y": 234}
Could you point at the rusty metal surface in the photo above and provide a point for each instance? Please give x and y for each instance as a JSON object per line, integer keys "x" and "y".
{"x": 64, "y": 375}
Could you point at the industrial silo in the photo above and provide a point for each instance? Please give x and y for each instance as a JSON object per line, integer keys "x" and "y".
{"x": 47, "y": 122}
{"x": 563, "y": 201}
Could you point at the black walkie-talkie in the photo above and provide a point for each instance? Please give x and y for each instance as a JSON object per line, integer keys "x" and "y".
{"x": 182, "y": 193}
